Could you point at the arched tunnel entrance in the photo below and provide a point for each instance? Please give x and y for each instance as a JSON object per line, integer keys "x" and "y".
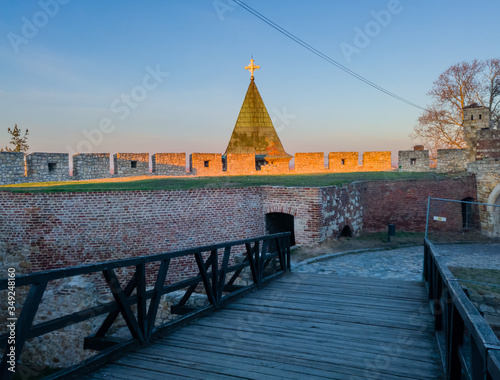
{"x": 280, "y": 222}
{"x": 346, "y": 232}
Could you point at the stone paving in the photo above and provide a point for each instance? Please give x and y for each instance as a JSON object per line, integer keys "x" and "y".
{"x": 403, "y": 263}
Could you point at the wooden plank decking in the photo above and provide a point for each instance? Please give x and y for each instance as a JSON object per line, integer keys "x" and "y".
{"x": 301, "y": 326}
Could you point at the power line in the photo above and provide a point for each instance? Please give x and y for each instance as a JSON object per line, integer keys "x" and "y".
{"x": 322, "y": 55}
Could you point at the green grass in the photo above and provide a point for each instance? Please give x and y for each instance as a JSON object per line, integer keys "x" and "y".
{"x": 185, "y": 183}
{"x": 480, "y": 278}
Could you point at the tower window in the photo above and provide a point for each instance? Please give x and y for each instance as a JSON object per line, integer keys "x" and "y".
{"x": 206, "y": 164}
{"x": 133, "y": 164}
{"x": 413, "y": 161}
{"x": 472, "y": 117}
{"x": 479, "y": 116}
{"x": 342, "y": 162}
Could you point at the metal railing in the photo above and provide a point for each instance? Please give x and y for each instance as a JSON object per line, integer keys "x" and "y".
{"x": 469, "y": 347}
{"x": 138, "y": 306}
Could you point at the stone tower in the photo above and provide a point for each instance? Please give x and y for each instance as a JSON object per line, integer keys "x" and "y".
{"x": 254, "y": 131}
{"x": 475, "y": 119}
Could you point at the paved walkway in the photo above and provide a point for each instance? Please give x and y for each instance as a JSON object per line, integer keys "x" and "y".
{"x": 404, "y": 263}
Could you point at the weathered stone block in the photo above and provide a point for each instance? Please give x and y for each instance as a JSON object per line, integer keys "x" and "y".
{"x": 169, "y": 163}
{"x": 413, "y": 160}
{"x": 91, "y": 166}
{"x": 206, "y": 164}
{"x": 343, "y": 162}
{"x": 131, "y": 164}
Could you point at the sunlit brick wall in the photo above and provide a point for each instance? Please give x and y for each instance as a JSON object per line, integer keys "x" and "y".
{"x": 376, "y": 161}
{"x": 343, "y": 162}
{"x": 206, "y": 164}
{"x": 310, "y": 162}
{"x": 241, "y": 163}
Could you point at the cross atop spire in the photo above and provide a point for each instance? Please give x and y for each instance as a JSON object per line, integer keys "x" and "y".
{"x": 251, "y": 67}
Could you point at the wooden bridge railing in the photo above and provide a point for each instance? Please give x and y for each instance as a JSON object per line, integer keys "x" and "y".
{"x": 471, "y": 349}
{"x": 215, "y": 273}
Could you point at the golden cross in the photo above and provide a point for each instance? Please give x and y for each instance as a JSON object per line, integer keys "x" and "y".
{"x": 251, "y": 67}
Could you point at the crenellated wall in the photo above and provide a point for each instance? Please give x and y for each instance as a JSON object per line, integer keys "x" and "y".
{"x": 91, "y": 166}
{"x": 206, "y": 164}
{"x": 310, "y": 162}
{"x": 452, "y": 160}
{"x": 343, "y": 161}
{"x": 12, "y": 167}
{"x": 47, "y": 167}
{"x": 240, "y": 163}
{"x": 414, "y": 160}
{"x": 131, "y": 164}
{"x": 376, "y": 161}
{"x": 42, "y": 167}
{"x": 169, "y": 163}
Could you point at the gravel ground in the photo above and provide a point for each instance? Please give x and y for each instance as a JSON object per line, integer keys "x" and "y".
{"x": 402, "y": 263}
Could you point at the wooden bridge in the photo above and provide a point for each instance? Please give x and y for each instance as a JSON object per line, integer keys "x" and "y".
{"x": 300, "y": 327}
{"x": 297, "y": 326}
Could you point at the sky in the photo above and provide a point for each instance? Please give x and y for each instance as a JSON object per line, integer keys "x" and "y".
{"x": 168, "y": 76}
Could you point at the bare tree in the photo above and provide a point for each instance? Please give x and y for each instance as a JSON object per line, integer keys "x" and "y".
{"x": 440, "y": 125}
{"x": 19, "y": 142}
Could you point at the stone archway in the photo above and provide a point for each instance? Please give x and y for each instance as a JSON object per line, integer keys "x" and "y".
{"x": 280, "y": 222}
{"x": 345, "y": 232}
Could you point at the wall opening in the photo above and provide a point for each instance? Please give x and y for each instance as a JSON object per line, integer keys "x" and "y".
{"x": 342, "y": 162}
{"x": 280, "y": 222}
{"x": 206, "y": 164}
{"x": 413, "y": 161}
{"x": 346, "y": 232}
{"x": 133, "y": 164}
{"x": 496, "y": 218}
{"x": 467, "y": 213}
{"x": 52, "y": 166}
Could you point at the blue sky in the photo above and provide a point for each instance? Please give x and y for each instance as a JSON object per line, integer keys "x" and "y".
{"x": 168, "y": 76}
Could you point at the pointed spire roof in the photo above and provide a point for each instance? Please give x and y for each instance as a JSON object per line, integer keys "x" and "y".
{"x": 254, "y": 131}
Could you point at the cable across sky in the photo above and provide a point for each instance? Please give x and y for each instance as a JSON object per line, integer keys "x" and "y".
{"x": 323, "y": 55}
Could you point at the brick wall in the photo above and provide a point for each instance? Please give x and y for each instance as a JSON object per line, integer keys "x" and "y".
{"x": 303, "y": 203}
{"x": 11, "y": 167}
{"x": 91, "y": 165}
{"x": 131, "y": 164}
{"x": 452, "y": 160}
{"x": 241, "y": 163}
{"x": 310, "y": 162}
{"x": 343, "y": 161}
{"x": 488, "y": 144}
{"x": 404, "y": 203}
{"x": 169, "y": 163}
{"x": 413, "y": 160}
{"x": 44, "y": 231}
{"x": 376, "y": 161}
{"x": 206, "y": 164}
{"x": 66, "y": 229}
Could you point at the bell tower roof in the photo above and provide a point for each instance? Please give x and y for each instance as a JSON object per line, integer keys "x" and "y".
{"x": 254, "y": 130}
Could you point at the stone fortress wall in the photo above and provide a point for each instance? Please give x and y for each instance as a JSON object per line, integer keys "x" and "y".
{"x": 43, "y": 167}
